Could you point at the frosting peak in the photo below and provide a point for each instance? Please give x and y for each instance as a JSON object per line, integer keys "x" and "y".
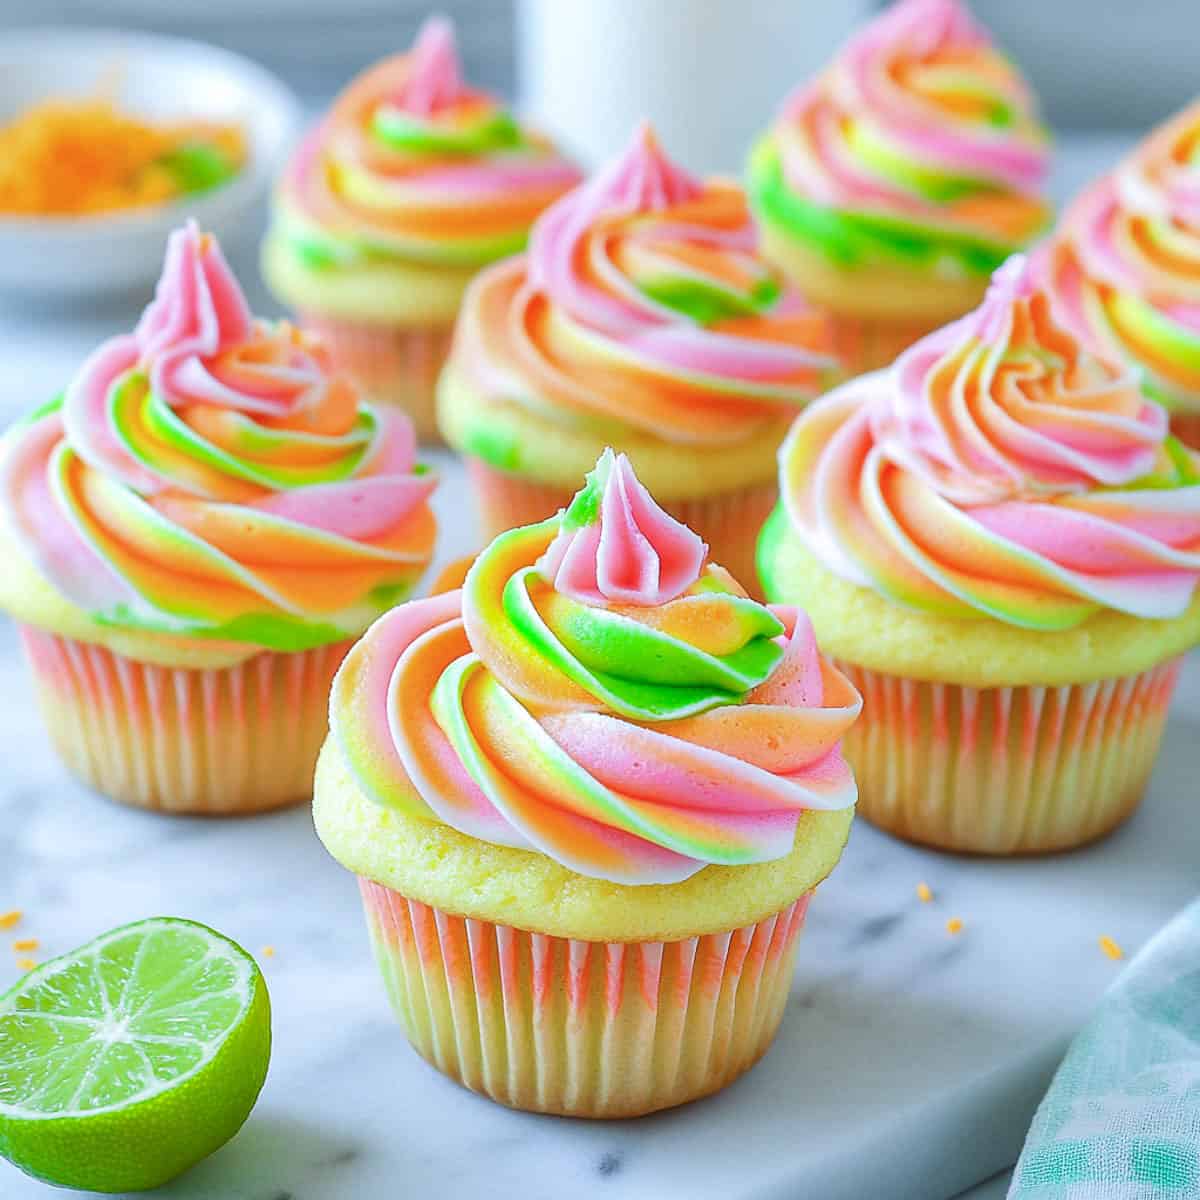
{"x": 434, "y": 80}
{"x": 634, "y": 742}
{"x": 616, "y": 544}
{"x": 210, "y": 475}
{"x": 919, "y": 144}
{"x": 644, "y": 300}
{"x": 1000, "y": 468}
{"x": 198, "y": 307}
{"x": 1004, "y": 403}
{"x": 412, "y": 165}
{"x": 1124, "y": 264}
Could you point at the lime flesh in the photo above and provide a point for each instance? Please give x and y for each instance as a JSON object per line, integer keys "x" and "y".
{"x": 129, "y": 1060}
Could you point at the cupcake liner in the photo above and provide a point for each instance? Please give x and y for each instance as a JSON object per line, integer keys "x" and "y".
{"x": 1005, "y": 770}
{"x": 396, "y": 365}
{"x": 577, "y": 1028}
{"x": 1186, "y": 427}
{"x": 868, "y": 345}
{"x": 728, "y": 521}
{"x": 233, "y": 740}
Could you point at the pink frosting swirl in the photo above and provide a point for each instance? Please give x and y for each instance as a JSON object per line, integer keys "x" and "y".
{"x": 210, "y": 474}
{"x": 998, "y": 468}
{"x": 634, "y": 554}
{"x": 634, "y": 721}
{"x": 643, "y": 299}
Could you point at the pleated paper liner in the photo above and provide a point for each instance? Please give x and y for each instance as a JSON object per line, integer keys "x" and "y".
{"x": 577, "y": 1028}
{"x": 869, "y": 345}
{"x": 728, "y": 521}
{"x": 1005, "y": 770}
{"x": 230, "y": 741}
{"x": 393, "y": 364}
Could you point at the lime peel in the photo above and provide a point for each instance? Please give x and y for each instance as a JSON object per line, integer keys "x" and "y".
{"x": 129, "y": 1060}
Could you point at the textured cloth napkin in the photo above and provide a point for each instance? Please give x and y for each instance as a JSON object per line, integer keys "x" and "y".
{"x": 1122, "y": 1118}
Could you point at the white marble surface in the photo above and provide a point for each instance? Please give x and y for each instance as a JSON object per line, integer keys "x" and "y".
{"x": 907, "y": 1067}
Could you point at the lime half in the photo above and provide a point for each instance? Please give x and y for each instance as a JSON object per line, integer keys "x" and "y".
{"x": 131, "y": 1059}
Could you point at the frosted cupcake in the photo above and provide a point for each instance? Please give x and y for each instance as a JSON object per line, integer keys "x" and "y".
{"x": 1000, "y": 542}
{"x": 410, "y": 184}
{"x": 192, "y": 534}
{"x": 1124, "y": 268}
{"x": 643, "y": 317}
{"x": 890, "y": 187}
{"x": 588, "y": 798}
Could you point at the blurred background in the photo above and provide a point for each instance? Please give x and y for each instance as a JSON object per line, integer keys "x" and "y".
{"x": 707, "y": 71}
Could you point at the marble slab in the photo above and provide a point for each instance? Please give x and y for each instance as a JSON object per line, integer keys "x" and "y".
{"x": 908, "y": 1065}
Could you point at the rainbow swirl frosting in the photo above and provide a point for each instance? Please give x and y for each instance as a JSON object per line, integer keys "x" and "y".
{"x": 999, "y": 469}
{"x": 599, "y": 692}
{"x": 411, "y": 165}
{"x": 209, "y": 476}
{"x": 1124, "y": 268}
{"x": 642, "y": 304}
{"x": 920, "y": 145}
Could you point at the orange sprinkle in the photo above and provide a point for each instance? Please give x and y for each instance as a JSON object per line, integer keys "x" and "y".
{"x": 1111, "y": 948}
{"x": 25, "y": 964}
{"x": 268, "y": 952}
{"x": 67, "y": 157}
{"x": 26, "y": 944}
{"x": 954, "y": 925}
{"x": 924, "y": 893}
{"x": 9, "y": 919}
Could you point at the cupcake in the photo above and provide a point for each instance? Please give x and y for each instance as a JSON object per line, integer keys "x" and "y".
{"x": 1124, "y": 268}
{"x": 893, "y": 185}
{"x": 193, "y": 533}
{"x": 588, "y": 798}
{"x": 410, "y": 184}
{"x": 643, "y": 317}
{"x": 999, "y": 541}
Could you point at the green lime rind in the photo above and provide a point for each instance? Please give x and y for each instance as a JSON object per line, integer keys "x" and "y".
{"x": 129, "y": 1060}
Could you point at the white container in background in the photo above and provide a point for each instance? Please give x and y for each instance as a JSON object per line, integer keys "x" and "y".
{"x": 709, "y": 73}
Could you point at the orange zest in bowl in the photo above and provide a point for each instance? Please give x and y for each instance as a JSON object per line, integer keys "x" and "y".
{"x": 65, "y": 158}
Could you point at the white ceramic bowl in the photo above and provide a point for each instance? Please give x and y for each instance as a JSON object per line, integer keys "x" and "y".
{"x": 161, "y": 78}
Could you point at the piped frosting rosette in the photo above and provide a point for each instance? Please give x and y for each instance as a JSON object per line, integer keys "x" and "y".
{"x": 919, "y": 144}
{"x": 643, "y": 304}
{"x": 1124, "y": 268}
{"x": 210, "y": 476}
{"x": 599, "y": 692}
{"x": 413, "y": 165}
{"x": 1000, "y": 469}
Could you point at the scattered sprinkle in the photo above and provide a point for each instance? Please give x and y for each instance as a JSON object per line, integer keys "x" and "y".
{"x": 25, "y": 964}
{"x": 10, "y": 919}
{"x": 924, "y": 893}
{"x": 26, "y": 944}
{"x": 268, "y": 952}
{"x": 954, "y": 925}
{"x": 1111, "y": 948}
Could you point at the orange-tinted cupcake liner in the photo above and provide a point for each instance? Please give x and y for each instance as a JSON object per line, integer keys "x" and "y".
{"x": 1186, "y": 427}
{"x": 577, "y": 1028}
{"x": 728, "y": 521}
{"x": 1005, "y": 770}
{"x": 228, "y": 741}
{"x": 869, "y": 345}
{"x": 393, "y": 364}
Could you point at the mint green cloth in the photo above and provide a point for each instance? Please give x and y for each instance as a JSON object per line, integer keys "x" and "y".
{"x": 1122, "y": 1118}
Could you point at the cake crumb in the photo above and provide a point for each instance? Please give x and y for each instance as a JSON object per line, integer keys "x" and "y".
{"x": 11, "y": 919}
{"x": 26, "y": 944}
{"x": 268, "y": 952}
{"x": 25, "y": 964}
{"x": 1111, "y": 948}
{"x": 924, "y": 892}
{"x": 954, "y": 925}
